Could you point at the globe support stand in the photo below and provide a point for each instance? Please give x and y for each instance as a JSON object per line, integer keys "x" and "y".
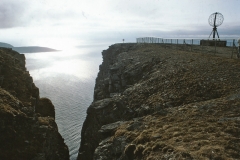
{"x": 213, "y": 32}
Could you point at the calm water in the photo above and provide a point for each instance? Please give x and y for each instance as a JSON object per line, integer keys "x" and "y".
{"x": 68, "y": 79}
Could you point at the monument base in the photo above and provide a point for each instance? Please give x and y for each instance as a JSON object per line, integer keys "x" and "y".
{"x": 218, "y": 43}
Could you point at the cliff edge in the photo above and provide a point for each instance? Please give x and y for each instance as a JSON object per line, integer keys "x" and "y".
{"x": 151, "y": 102}
{"x": 28, "y": 130}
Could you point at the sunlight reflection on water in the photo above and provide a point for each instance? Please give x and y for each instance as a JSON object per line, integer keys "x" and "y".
{"x": 68, "y": 79}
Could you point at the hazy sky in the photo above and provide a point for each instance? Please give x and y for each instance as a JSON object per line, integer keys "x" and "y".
{"x": 58, "y": 23}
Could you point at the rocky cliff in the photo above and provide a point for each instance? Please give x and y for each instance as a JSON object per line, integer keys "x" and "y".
{"x": 151, "y": 102}
{"x": 28, "y": 130}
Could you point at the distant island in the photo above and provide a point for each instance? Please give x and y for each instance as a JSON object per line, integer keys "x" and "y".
{"x": 28, "y": 49}
{"x": 5, "y": 45}
{"x": 33, "y": 49}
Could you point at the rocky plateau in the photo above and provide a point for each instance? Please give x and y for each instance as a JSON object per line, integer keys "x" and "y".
{"x": 153, "y": 102}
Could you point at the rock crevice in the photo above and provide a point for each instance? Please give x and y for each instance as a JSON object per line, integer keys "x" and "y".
{"x": 27, "y": 124}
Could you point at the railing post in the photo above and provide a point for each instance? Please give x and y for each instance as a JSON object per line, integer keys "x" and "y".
{"x": 233, "y": 47}
{"x": 215, "y": 46}
{"x": 192, "y": 45}
{"x": 177, "y": 45}
{"x": 162, "y": 42}
{"x": 183, "y": 44}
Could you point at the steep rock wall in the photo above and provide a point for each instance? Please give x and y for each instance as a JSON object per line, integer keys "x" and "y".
{"x": 27, "y": 122}
{"x": 151, "y": 102}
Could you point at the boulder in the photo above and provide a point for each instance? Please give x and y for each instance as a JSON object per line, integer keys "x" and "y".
{"x": 109, "y": 128}
{"x": 45, "y": 108}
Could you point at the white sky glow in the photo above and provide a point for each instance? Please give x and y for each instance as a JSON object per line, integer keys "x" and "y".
{"x": 67, "y": 23}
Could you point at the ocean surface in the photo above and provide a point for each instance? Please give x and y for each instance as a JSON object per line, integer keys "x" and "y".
{"x": 68, "y": 79}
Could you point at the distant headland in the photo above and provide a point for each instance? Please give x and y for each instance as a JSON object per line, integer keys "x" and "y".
{"x": 28, "y": 49}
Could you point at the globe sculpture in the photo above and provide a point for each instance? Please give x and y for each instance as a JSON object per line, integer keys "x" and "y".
{"x": 215, "y": 20}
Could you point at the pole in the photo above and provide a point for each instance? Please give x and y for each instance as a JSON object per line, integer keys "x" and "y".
{"x": 183, "y": 44}
{"x": 215, "y": 46}
{"x": 215, "y": 28}
{"x": 177, "y": 45}
{"x": 233, "y": 47}
{"x": 192, "y": 45}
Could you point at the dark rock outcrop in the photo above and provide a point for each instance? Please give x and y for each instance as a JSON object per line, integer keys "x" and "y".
{"x": 151, "y": 102}
{"x": 45, "y": 108}
{"x": 28, "y": 130}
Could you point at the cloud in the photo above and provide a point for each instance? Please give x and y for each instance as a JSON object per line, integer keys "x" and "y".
{"x": 11, "y": 13}
{"x": 63, "y": 23}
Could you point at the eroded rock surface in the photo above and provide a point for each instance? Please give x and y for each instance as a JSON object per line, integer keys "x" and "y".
{"x": 28, "y": 130}
{"x": 171, "y": 105}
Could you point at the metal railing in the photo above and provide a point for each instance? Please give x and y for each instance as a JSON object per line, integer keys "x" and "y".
{"x": 149, "y": 40}
{"x": 221, "y": 47}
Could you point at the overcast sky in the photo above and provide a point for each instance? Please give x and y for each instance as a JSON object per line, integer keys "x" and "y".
{"x": 58, "y": 23}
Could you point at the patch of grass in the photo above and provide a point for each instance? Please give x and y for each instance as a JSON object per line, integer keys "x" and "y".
{"x": 131, "y": 135}
{"x": 176, "y": 134}
{"x": 211, "y": 152}
{"x": 173, "y": 129}
{"x": 187, "y": 138}
{"x": 158, "y": 146}
{"x": 139, "y": 149}
{"x": 44, "y": 121}
{"x": 165, "y": 127}
{"x": 211, "y": 129}
{"x": 147, "y": 150}
{"x": 195, "y": 129}
{"x": 142, "y": 138}
{"x": 167, "y": 149}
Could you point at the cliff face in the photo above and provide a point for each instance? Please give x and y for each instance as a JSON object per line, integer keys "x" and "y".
{"x": 151, "y": 102}
{"x": 27, "y": 122}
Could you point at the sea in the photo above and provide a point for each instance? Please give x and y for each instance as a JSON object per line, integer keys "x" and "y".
{"x": 67, "y": 78}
